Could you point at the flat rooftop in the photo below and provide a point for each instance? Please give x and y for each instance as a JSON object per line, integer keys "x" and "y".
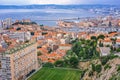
{"x": 17, "y": 48}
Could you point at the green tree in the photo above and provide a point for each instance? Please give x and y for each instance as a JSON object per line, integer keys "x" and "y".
{"x": 118, "y": 68}
{"x": 107, "y": 66}
{"x": 113, "y": 40}
{"x": 91, "y": 73}
{"x": 104, "y": 60}
{"x": 69, "y": 52}
{"x": 93, "y": 67}
{"x": 93, "y": 37}
{"x": 59, "y": 63}
{"x": 74, "y": 62}
{"x": 76, "y": 47}
{"x": 100, "y": 44}
{"x": 118, "y": 50}
{"x": 101, "y": 37}
{"x": 98, "y": 68}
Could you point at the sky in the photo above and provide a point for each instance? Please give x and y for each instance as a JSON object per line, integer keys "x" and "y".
{"x": 60, "y": 2}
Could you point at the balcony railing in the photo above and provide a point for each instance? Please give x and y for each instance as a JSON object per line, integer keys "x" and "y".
{"x": 14, "y": 50}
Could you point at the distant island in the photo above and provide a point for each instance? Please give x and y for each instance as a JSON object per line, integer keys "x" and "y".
{"x": 55, "y": 6}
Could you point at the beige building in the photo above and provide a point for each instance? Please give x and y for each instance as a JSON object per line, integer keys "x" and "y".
{"x": 19, "y": 62}
{"x": 65, "y": 46}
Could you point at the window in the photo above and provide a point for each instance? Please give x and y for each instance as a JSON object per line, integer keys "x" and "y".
{"x": 0, "y": 65}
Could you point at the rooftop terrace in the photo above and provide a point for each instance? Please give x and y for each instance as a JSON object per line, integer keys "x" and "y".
{"x": 17, "y": 48}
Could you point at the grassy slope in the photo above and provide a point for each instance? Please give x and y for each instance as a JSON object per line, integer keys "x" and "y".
{"x": 56, "y": 74}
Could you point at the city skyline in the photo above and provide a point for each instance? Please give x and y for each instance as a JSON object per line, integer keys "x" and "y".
{"x": 59, "y": 40}
{"x": 61, "y": 2}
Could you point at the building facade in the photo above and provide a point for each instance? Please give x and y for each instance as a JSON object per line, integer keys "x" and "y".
{"x": 18, "y": 63}
{"x": 20, "y": 36}
{"x": 6, "y": 23}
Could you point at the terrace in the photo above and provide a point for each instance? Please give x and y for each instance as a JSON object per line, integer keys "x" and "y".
{"x": 17, "y": 48}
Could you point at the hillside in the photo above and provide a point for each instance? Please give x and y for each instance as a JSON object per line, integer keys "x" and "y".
{"x": 109, "y": 71}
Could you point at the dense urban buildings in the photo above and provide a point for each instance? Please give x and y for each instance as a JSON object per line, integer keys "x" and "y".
{"x": 87, "y": 46}
{"x": 25, "y": 46}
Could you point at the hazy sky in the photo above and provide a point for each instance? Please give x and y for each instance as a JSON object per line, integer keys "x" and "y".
{"x": 20, "y": 2}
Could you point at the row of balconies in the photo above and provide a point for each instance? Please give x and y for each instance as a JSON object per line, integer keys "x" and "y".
{"x": 26, "y": 61}
{"x": 20, "y": 71}
{"x": 22, "y": 65}
{"x": 24, "y": 53}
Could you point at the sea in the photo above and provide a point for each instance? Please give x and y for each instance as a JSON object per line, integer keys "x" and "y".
{"x": 46, "y": 17}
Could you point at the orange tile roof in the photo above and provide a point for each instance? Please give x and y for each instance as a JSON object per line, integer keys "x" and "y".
{"x": 65, "y": 45}
{"x": 43, "y": 50}
{"x": 52, "y": 61}
{"x": 118, "y": 40}
{"x": 112, "y": 34}
{"x": 2, "y": 50}
{"x": 107, "y": 40}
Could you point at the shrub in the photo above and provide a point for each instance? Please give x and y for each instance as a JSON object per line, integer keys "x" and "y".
{"x": 101, "y": 44}
{"x": 104, "y": 60}
{"x": 93, "y": 67}
{"x": 82, "y": 74}
{"x": 48, "y": 64}
{"x": 98, "y": 68}
{"x": 101, "y": 36}
{"x": 118, "y": 50}
{"x": 107, "y": 66}
{"x": 74, "y": 62}
{"x": 91, "y": 73}
{"x": 112, "y": 56}
{"x": 18, "y": 29}
{"x": 59, "y": 63}
{"x": 118, "y": 68}
{"x": 93, "y": 37}
{"x": 39, "y": 53}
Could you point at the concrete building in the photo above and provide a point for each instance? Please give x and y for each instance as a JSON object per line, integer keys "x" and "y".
{"x": 104, "y": 51}
{"x": 19, "y": 62}
{"x": 20, "y": 36}
{"x": 3, "y": 44}
{"x": 1, "y": 25}
{"x": 6, "y": 23}
{"x": 64, "y": 41}
{"x": 65, "y": 46}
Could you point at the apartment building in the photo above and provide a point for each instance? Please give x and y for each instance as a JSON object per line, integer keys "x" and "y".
{"x": 20, "y": 36}
{"x": 6, "y": 23}
{"x": 19, "y": 62}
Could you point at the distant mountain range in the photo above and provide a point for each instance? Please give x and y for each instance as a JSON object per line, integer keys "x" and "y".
{"x": 54, "y": 6}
